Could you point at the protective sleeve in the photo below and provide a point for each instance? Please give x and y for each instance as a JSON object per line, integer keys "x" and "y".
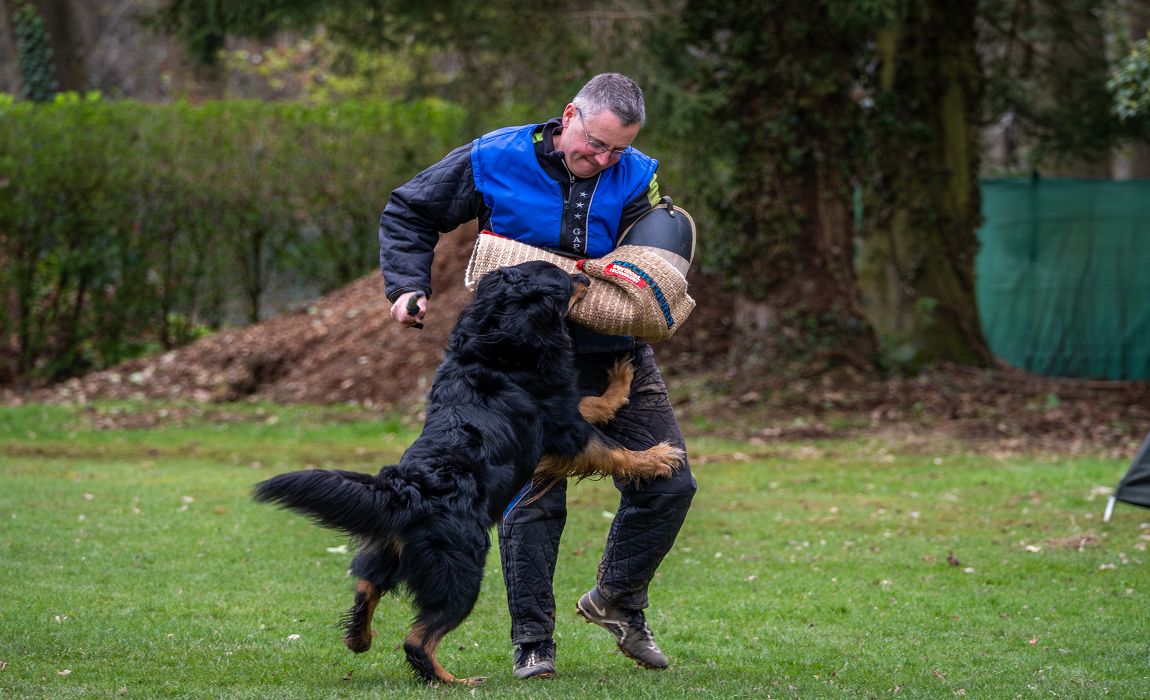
{"x": 435, "y": 201}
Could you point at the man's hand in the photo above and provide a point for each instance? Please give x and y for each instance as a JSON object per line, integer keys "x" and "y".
{"x": 409, "y": 309}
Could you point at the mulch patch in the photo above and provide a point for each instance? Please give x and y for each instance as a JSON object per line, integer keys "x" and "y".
{"x": 344, "y": 348}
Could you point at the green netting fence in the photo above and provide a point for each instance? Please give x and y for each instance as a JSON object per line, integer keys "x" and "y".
{"x": 1064, "y": 276}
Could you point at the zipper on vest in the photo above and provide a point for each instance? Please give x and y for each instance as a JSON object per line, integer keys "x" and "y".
{"x": 570, "y": 187}
{"x": 563, "y": 227}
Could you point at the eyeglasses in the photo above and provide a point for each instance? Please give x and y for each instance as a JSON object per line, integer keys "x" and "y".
{"x": 600, "y": 148}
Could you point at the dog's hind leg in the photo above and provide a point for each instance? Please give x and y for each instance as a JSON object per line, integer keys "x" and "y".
{"x": 356, "y": 622}
{"x": 444, "y": 596}
{"x": 599, "y": 410}
{"x": 376, "y": 568}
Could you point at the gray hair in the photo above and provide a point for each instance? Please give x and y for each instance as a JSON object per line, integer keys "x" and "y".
{"x": 615, "y": 93}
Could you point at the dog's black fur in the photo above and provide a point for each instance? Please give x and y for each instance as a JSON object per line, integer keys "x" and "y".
{"x": 503, "y": 398}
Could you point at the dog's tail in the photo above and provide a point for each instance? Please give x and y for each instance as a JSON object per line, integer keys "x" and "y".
{"x": 362, "y": 505}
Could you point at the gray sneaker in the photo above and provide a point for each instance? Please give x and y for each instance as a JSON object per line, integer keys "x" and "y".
{"x": 535, "y": 660}
{"x": 629, "y": 628}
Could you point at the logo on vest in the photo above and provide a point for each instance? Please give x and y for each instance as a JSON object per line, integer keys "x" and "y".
{"x": 624, "y": 274}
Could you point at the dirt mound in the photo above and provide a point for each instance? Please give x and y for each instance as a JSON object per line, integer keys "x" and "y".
{"x": 344, "y": 348}
{"x": 1002, "y": 410}
{"x": 341, "y": 348}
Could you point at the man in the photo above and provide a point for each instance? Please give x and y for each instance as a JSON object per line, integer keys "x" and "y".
{"x": 572, "y": 184}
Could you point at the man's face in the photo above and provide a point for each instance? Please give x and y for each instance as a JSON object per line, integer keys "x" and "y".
{"x": 591, "y": 144}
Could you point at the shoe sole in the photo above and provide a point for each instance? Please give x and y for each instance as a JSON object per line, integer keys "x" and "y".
{"x": 542, "y": 676}
{"x": 587, "y": 618}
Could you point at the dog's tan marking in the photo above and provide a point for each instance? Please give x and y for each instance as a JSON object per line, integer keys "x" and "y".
{"x": 359, "y": 634}
{"x": 599, "y": 458}
{"x": 395, "y": 543}
{"x": 421, "y": 646}
{"x": 577, "y": 294}
{"x": 599, "y": 410}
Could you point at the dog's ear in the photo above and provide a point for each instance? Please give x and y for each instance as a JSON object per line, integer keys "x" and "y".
{"x": 553, "y": 280}
{"x": 498, "y": 280}
{"x": 547, "y": 295}
{"x": 521, "y": 305}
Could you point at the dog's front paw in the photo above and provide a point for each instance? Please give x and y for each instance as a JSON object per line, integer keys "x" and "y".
{"x": 619, "y": 379}
{"x": 662, "y": 460}
{"x": 600, "y": 410}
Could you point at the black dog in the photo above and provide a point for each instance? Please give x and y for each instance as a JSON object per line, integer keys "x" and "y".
{"x": 502, "y": 405}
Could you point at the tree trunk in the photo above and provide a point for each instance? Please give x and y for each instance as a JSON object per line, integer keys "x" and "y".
{"x": 9, "y": 57}
{"x": 917, "y": 262}
{"x": 62, "y": 38}
{"x": 786, "y": 243}
{"x": 1139, "y": 27}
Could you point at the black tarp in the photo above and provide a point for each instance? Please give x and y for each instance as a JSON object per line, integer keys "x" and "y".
{"x": 1135, "y": 486}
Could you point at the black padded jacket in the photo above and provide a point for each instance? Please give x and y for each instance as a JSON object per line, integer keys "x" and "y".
{"x": 443, "y": 197}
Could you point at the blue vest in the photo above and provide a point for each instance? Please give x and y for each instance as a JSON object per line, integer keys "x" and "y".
{"x": 527, "y": 204}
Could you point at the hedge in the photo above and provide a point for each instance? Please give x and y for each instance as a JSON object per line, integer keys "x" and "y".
{"x": 127, "y": 227}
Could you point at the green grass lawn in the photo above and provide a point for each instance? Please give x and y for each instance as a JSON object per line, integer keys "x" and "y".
{"x": 133, "y": 563}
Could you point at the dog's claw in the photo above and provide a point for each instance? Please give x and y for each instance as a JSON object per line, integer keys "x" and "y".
{"x": 670, "y": 461}
{"x": 357, "y": 644}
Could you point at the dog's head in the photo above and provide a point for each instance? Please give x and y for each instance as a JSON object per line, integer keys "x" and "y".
{"x": 522, "y": 306}
{"x": 538, "y": 289}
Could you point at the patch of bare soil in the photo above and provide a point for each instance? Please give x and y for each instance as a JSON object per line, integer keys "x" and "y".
{"x": 344, "y": 348}
{"x": 1004, "y": 411}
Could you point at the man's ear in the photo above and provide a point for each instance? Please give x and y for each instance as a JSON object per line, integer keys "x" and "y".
{"x": 568, "y": 114}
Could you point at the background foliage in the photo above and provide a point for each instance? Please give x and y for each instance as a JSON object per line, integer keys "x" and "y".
{"x": 769, "y": 118}
{"x": 1130, "y": 84}
{"x": 124, "y": 225}
{"x": 38, "y": 79}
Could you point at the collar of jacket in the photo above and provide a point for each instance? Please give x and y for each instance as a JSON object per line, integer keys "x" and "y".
{"x": 549, "y": 158}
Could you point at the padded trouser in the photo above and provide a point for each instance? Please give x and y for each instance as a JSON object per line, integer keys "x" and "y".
{"x": 643, "y": 531}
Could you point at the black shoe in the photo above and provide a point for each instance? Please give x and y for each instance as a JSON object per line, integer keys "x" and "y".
{"x": 535, "y": 660}
{"x": 629, "y": 627}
